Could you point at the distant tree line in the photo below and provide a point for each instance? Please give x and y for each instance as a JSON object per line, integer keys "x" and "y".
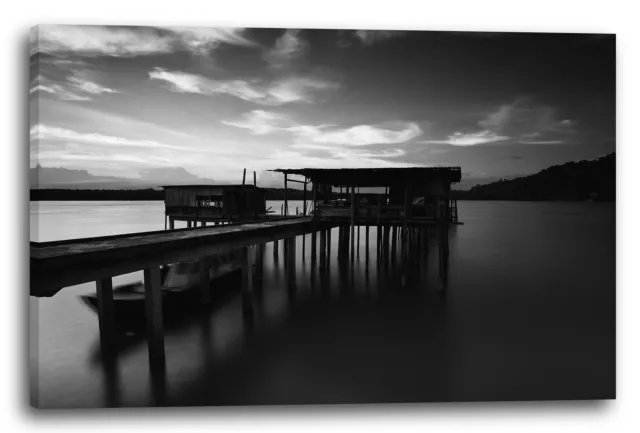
{"x": 573, "y": 181}
{"x": 137, "y": 194}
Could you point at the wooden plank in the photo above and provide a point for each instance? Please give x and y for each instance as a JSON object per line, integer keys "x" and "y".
{"x": 153, "y": 310}
{"x": 106, "y": 324}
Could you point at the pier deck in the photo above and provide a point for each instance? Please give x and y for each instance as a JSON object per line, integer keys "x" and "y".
{"x": 55, "y": 265}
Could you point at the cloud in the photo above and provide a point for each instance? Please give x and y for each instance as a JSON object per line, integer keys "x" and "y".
{"x": 260, "y": 122}
{"x": 44, "y": 132}
{"x": 76, "y": 88}
{"x": 471, "y": 139}
{"x": 287, "y": 48}
{"x": 541, "y": 141}
{"x": 59, "y": 91}
{"x": 523, "y": 120}
{"x": 310, "y": 136}
{"x": 87, "y": 86}
{"x": 361, "y": 135}
{"x": 282, "y": 91}
{"x": 119, "y": 41}
{"x": 369, "y": 37}
{"x": 525, "y": 116}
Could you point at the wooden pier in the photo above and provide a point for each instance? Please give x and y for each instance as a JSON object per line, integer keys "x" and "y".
{"x": 410, "y": 202}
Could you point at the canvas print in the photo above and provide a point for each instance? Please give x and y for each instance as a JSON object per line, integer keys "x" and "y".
{"x": 231, "y": 216}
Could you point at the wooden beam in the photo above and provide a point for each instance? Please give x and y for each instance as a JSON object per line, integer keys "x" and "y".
{"x": 153, "y": 309}
{"x": 104, "y": 292}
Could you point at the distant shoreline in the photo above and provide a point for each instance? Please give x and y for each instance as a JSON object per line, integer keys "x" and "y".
{"x": 135, "y": 194}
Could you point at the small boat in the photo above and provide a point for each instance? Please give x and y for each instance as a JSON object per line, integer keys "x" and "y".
{"x": 180, "y": 287}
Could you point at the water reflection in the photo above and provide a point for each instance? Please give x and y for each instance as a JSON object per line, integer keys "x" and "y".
{"x": 375, "y": 325}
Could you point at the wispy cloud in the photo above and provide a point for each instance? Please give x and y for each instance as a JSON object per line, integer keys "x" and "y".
{"x": 471, "y": 139}
{"x": 76, "y": 88}
{"x": 59, "y": 91}
{"x": 87, "y": 86}
{"x": 118, "y": 41}
{"x": 525, "y": 116}
{"x": 282, "y": 91}
{"x": 361, "y": 135}
{"x": 45, "y": 132}
{"x": 522, "y": 121}
{"x": 369, "y": 37}
{"x": 541, "y": 141}
{"x": 287, "y": 48}
{"x": 264, "y": 122}
{"x": 261, "y": 122}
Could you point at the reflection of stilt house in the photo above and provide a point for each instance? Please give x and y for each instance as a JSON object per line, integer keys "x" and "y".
{"x": 396, "y": 195}
{"x": 212, "y": 203}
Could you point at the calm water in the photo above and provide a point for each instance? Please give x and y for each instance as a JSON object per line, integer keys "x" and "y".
{"x": 529, "y": 313}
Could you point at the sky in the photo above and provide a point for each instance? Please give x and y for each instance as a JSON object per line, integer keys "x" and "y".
{"x": 128, "y": 101}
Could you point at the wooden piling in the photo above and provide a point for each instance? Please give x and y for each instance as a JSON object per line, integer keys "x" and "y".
{"x": 291, "y": 259}
{"x": 104, "y": 291}
{"x": 153, "y": 309}
{"x": 247, "y": 282}
{"x": 304, "y": 198}
{"x": 313, "y": 247}
{"x": 275, "y": 248}
{"x": 366, "y": 243}
{"x": 323, "y": 251}
{"x": 328, "y": 262}
{"x": 204, "y": 265}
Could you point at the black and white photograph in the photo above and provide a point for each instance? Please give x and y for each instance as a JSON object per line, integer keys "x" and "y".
{"x": 253, "y": 216}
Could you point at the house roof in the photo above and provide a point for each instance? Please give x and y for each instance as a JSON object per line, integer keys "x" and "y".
{"x": 235, "y": 186}
{"x": 375, "y": 176}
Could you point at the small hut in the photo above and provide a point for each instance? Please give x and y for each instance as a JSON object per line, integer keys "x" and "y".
{"x": 213, "y": 203}
{"x": 401, "y": 194}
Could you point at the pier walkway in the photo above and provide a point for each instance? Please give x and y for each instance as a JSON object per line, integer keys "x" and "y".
{"x": 55, "y": 265}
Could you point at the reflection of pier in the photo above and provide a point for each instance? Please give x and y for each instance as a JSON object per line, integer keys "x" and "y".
{"x": 408, "y": 207}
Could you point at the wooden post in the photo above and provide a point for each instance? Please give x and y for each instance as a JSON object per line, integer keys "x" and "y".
{"x": 394, "y": 236}
{"x": 323, "y": 252}
{"x": 247, "y": 286}
{"x": 153, "y": 309}
{"x": 353, "y": 219}
{"x": 286, "y": 202}
{"x": 165, "y": 221}
{"x": 104, "y": 291}
{"x": 204, "y": 265}
{"x": 314, "y": 193}
{"x": 259, "y": 265}
{"x": 407, "y": 208}
{"x": 304, "y": 198}
{"x": 328, "y": 262}
{"x": 313, "y": 246}
{"x": 366, "y": 243}
{"x": 255, "y": 183}
{"x": 172, "y": 224}
{"x": 275, "y": 248}
{"x": 291, "y": 259}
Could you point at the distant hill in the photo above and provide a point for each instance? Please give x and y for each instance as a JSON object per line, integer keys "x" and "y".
{"x": 573, "y": 181}
{"x": 63, "y": 178}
